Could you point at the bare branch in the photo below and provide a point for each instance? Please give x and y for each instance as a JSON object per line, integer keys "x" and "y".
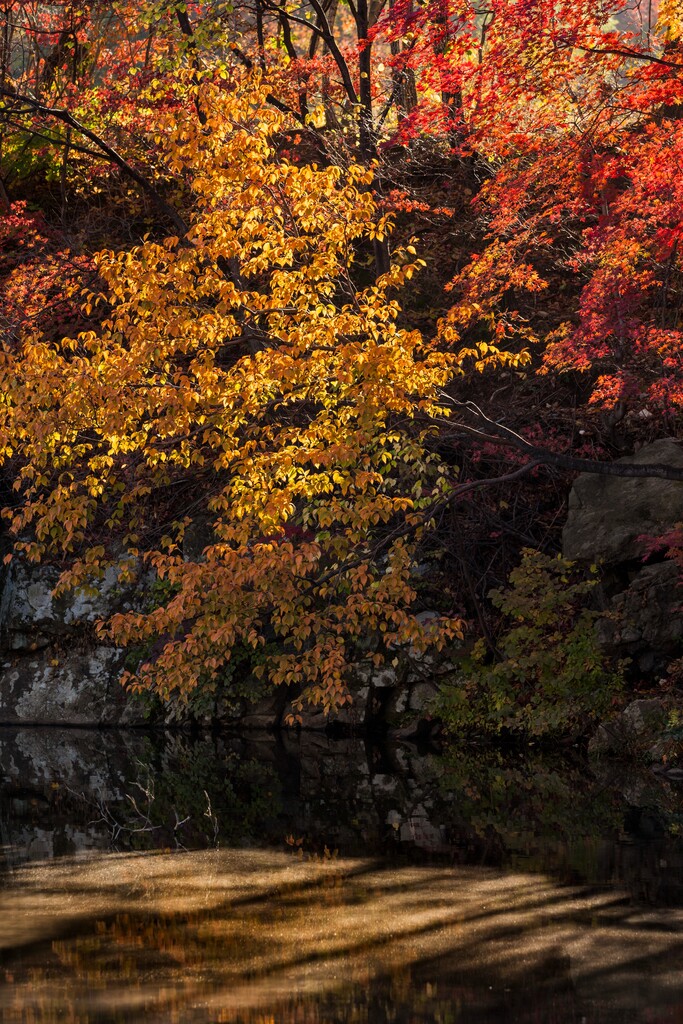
{"x": 499, "y": 432}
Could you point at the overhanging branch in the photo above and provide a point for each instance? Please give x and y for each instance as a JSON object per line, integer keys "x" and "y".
{"x": 498, "y": 432}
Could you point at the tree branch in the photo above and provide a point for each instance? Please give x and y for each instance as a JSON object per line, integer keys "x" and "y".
{"x": 627, "y": 52}
{"x": 67, "y": 118}
{"x": 323, "y": 29}
{"x": 246, "y": 61}
{"x": 52, "y": 140}
{"x": 185, "y": 26}
{"x": 401, "y": 531}
{"x": 502, "y": 434}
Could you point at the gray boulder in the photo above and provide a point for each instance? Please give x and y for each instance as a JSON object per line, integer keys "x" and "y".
{"x": 646, "y": 624}
{"x": 607, "y": 514}
{"x": 52, "y": 670}
{"x": 422, "y": 695}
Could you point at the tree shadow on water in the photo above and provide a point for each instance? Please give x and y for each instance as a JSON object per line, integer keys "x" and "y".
{"x": 250, "y": 936}
{"x": 478, "y": 923}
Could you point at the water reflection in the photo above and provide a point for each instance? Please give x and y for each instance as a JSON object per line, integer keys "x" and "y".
{"x": 337, "y": 883}
{"x": 255, "y": 935}
{"x": 67, "y": 793}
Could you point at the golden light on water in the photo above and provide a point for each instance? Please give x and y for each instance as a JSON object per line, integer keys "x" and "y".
{"x": 232, "y": 935}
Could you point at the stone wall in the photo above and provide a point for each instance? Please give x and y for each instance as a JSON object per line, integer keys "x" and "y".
{"x": 52, "y": 668}
{"x": 53, "y": 671}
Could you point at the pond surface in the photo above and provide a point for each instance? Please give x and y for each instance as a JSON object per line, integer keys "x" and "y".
{"x": 308, "y": 881}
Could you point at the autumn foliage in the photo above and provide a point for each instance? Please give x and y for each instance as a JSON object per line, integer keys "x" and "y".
{"x": 209, "y": 324}
{"x": 243, "y": 357}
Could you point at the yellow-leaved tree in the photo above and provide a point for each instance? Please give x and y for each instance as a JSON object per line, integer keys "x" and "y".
{"x": 670, "y": 20}
{"x": 240, "y": 381}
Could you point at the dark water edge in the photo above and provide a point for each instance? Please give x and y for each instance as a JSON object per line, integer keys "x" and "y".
{"x": 70, "y": 792}
{"x": 298, "y": 878}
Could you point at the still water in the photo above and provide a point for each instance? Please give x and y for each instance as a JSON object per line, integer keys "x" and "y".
{"x": 313, "y": 881}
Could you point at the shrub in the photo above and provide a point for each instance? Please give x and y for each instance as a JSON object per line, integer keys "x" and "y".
{"x": 550, "y": 675}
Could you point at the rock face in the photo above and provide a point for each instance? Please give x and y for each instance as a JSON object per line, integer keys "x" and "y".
{"x": 607, "y": 514}
{"x": 31, "y": 618}
{"x": 52, "y": 670}
{"x": 635, "y": 731}
{"x": 69, "y": 687}
{"x": 646, "y": 624}
{"x": 383, "y": 701}
{"x": 606, "y": 518}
